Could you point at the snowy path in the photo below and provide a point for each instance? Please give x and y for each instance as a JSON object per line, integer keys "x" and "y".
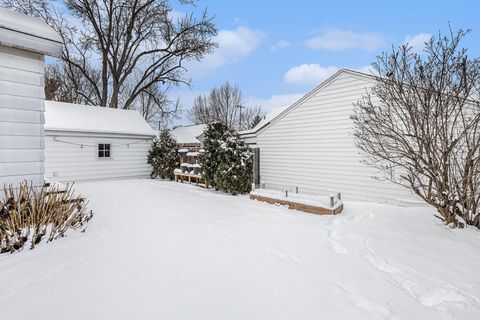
{"x": 161, "y": 250}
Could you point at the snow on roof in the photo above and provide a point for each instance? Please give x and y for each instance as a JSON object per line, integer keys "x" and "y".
{"x": 20, "y": 30}
{"x": 60, "y": 116}
{"x": 188, "y": 134}
{"x": 266, "y": 120}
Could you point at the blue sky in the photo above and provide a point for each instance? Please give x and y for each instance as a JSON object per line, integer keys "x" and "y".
{"x": 277, "y": 51}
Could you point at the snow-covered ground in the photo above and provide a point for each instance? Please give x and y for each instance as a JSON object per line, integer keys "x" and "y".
{"x": 163, "y": 250}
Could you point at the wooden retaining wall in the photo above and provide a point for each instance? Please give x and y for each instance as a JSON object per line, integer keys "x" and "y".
{"x": 299, "y": 206}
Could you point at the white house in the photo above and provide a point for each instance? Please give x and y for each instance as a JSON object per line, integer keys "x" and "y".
{"x": 89, "y": 143}
{"x": 310, "y": 145}
{"x": 23, "y": 43}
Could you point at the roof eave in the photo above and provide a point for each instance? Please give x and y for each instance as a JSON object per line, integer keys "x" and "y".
{"x": 24, "y": 41}
{"x": 84, "y": 132}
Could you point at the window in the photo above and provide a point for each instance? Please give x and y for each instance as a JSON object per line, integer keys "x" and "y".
{"x": 103, "y": 150}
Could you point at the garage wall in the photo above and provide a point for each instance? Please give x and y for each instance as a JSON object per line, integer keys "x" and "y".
{"x": 67, "y": 160}
{"x": 21, "y": 117}
{"x": 312, "y": 147}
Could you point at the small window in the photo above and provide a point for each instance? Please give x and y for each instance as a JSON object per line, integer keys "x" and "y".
{"x": 103, "y": 150}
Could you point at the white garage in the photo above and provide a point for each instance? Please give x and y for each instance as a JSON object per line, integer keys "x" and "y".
{"x": 90, "y": 143}
{"x": 310, "y": 145}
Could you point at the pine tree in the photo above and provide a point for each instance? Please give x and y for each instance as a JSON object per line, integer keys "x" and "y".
{"x": 255, "y": 121}
{"x": 214, "y": 134}
{"x": 234, "y": 174}
{"x": 163, "y": 156}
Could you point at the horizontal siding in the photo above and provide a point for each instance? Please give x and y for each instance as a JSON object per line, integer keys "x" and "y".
{"x": 21, "y": 168}
{"x": 35, "y": 179}
{"x": 312, "y": 147}
{"x": 67, "y": 160}
{"x": 22, "y": 142}
{"x": 21, "y": 129}
{"x": 21, "y": 89}
{"x": 7, "y": 73}
{"x": 21, "y": 117}
{"x": 8, "y": 101}
{"x": 21, "y": 155}
{"x": 21, "y": 60}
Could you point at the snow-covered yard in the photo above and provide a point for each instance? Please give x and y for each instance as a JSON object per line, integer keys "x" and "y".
{"x": 163, "y": 250}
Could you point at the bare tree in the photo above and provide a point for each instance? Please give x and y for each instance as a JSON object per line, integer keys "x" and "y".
{"x": 251, "y": 117}
{"x": 135, "y": 43}
{"x": 68, "y": 85}
{"x": 225, "y": 105}
{"x": 201, "y": 112}
{"x": 420, "y": 125}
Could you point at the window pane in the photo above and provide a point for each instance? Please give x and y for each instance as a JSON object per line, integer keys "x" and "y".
{"x": 104, "y": 150}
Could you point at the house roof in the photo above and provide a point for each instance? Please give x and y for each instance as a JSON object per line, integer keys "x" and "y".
{"x": 60, "y": 116}
{"x": 32, "y": 34}
{"x": 188, "y": 134}
{"x": 265, "y": 120}
{"x": 281, "y": 113}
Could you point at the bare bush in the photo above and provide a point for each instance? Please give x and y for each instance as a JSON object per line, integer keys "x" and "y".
{"x": 29, "y": 214}
{"x": 420, "y": 125}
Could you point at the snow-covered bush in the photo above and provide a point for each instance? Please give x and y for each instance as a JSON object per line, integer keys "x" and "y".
{"x": 29, "y": 214}
{"x": 214, "y": 135}
{"x": 163, "y": 156}
{"x": 234, "y": 174}
{"x": 227, "y": 161}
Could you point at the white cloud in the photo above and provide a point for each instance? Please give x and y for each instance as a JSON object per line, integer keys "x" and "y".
{"x": 176, "y": 15}
{"x": 337, "y": 39}
{"x": 275, "y": 101}
{"x": 308, "y": 74}
{"x": 417, "y": 42}
{"x": 233, "y": 45}
{"x": 366, "y": 69}
{"x": 282, "y": 44}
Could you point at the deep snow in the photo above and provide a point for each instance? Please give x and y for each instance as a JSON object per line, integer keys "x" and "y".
{"x": 164, "y": 250}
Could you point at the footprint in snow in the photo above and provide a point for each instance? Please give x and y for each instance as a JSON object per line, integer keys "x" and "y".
{"x": 334, "y": 235}
{"x": 282, "y": 256}
{"x": 365, "y": 304}
{"x": 426, "y": 289}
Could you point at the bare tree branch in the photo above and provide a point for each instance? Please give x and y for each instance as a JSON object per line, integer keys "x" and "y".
{"x": 118, "y": 51}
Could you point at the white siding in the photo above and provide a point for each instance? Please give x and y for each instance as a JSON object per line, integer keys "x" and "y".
{"x": 21, "y": 117}
{"x": 70, "y": 161}
{"x": 312, "y": 147}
